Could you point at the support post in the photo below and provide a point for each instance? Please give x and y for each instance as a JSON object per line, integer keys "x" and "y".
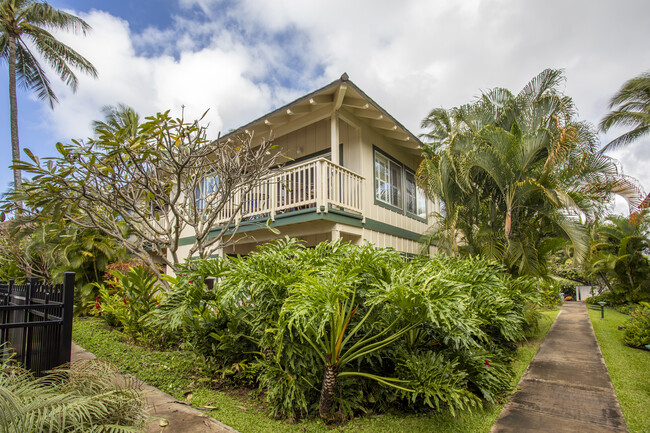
{"x": 334, "y": 137}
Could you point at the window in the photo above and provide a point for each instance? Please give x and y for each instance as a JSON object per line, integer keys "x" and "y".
{"x": 391, "y": 178}
{"x": 388, "y": 180}
{"x": 416, "y": 202}
{"x": 206, "y": 187}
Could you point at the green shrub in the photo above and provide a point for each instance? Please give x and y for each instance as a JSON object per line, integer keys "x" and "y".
{"x": 626, "y": 309}
{"x": 436, "y": 382}
{"x": 637, "y": 329}
{"x": 594, "y": 300}
{"x": 550, "y": 297}
{"x": 127, "y": 301}
{"x": 191, "y": 307}
{"x": 340, "y": 329}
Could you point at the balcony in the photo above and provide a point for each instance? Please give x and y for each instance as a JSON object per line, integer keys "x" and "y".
{"x": 318, "y": 184}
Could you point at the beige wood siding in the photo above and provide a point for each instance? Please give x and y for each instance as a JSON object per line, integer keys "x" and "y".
{"x": 370, "y": 138}
{"x": 349, "y": 137}
{"x": 305, "y": 141}
{"x": 383, "y": 240}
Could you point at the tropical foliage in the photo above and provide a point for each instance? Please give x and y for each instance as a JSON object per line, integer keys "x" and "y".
{"x": 127, "y": 300}
{"x": 637, "y": 328}
{"x": 84, "y": 398}
{"x": 513, "y": 172}
{"x": 619, "y": 259}
{"x": 631, "y": 110}
{"x": 147, "y": 184}
{"x": 340, "y": 329}
{"x": 38, "y": 245}
{"x": 25, "y": 30}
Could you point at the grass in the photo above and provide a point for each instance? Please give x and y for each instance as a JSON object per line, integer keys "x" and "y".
{"x": 175, "y": 372}
{"x": 629, "y": 368}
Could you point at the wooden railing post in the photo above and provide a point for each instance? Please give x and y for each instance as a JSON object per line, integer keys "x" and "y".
{"x": 319, "y": 185}
{"x": 273, "y": 186}
{"x": 362, "y": 203}
{"x": 66, "y": 328}
{"x": 325, "y": 185}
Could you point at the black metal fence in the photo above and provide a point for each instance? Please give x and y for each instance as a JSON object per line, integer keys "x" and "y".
{"x": 36, "y": 322}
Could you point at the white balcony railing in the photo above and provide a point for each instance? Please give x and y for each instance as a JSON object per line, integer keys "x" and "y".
{"x": 318, "y": 184}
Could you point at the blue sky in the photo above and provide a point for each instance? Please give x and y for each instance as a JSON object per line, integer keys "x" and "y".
{"x": 243, "y": 58}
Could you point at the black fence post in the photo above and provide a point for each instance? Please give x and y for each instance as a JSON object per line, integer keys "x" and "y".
{"x": 7, "y": 315}
{"x": 66, "y": 329}
{"x": 30, "y": 291}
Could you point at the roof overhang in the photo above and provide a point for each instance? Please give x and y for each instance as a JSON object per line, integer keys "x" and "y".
{"x": 341, "y": 96}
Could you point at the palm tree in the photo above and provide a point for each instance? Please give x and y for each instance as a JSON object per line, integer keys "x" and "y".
{"x": 619, "y": 258}
{"x": 323, "y": 308}
{"x": 24, "y": 26}
{"x": 631, "y": 109}
{"x": 120, "y": 122}
{"x": 510, "y": 169}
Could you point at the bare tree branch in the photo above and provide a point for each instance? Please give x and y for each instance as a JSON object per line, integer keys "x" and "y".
{"x": 153, "y": 188}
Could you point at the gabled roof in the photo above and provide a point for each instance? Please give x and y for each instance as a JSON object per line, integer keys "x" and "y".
{"x": 342, "y": 95}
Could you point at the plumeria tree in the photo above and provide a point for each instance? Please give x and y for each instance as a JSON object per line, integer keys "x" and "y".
{"x": 150, "y": 185}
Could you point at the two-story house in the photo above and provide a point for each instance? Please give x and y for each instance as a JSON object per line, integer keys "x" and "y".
{"x": 350, "y": 174}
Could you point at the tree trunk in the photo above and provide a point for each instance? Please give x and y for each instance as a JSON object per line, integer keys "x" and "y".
{"x": 327, "y": 392}
{"x": 508, "y": 222}
{"x": 13, "y": 108}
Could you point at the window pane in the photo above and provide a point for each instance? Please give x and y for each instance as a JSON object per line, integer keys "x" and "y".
{"x": 382, "y": 178}
{"x": 411, "y": 201}
{"x": 203, "y": 191}
{"x": 395, "y": 184}
{"x": 422, "y": 203}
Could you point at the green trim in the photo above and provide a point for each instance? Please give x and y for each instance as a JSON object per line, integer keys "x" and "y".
{"x": 415, "y": 217}
{"x": 186, "y": 241}
{"x": 299, "y": 216}
{"x": 381, "y": 227}
{"x": 388, "y": 206}
{"x": 307, "y": 215}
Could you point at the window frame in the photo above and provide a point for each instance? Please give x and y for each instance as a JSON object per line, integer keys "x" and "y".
{"x": 418, "y": 190}
{"x": 201, "y": 195}
{"x": 402, "y": 208}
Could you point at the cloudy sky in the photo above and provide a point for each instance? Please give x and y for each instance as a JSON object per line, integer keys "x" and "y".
{"x": 240, "y": 59}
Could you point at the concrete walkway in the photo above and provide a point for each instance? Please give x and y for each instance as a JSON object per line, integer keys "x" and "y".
{"x": 167, "y": 414}
{"x": 566, "y": 388}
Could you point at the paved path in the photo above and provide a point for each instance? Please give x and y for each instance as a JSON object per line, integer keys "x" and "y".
{"x": 180, "y": 417}
{"x": 566, "y": 388}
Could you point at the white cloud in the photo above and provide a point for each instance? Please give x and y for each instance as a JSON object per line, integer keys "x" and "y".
{"x": 410, "y": 56}
{"x": 214, "y": 77}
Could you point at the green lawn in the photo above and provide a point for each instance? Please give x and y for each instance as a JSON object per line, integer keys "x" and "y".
{"x": 174, "y": 372}
{"x": 629, "y": 369}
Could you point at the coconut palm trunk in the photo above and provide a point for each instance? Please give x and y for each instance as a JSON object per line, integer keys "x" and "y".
{"x": 25, "y": 30}
{"x": 13, "y": 108}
